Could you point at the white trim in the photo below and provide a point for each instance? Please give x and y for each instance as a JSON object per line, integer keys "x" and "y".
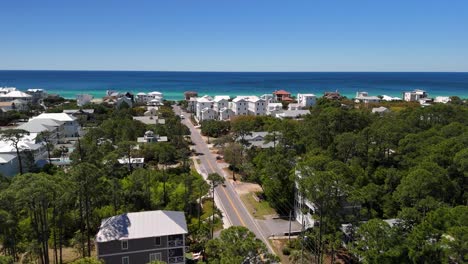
{"x": 122, "y": 245}
{"x": 127, "y": 258}
{"x": 138, "y": 251}
{"x": 155, "y": 256}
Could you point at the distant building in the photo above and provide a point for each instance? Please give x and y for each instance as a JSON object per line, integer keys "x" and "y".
{"x": 220, "y": 102}
{"x": 207, "y": 114}
{"x": 380, "y": 110}
{"x": 190, "y": 94}
{"x": 37, "y": 95}
{"x": 269, "y": 98}
{"x": 13, "y": 95}
{"x": 71, "y": 127}
{"x": 306, "y": 100}
{"x": 293, "y": 107}
{"x": 305, "y": 210}
{"x": 292, "y": 114}
{"x": 442, "y": 99}
{"x": 273, "y": 108}
{"x": 332, "y": 95}
{"x": 240, "y": 105}
{"x": 282, "y": 95}
{"x": 258, "y": 139}
{"x": 363, "y": 97}
{"x": 143, "y": 237}
{"x": 152, "y": 98}
{"x": 5, "y": 90}
{"x": 257, "y": 106}
{"x": 150, "y": 137}
{"x": 390, "y": 98}
{"x": 118, "y": 103}
{"x": 414, "y": 96}
{"x": 204, "y": 103}
{"x": 17, "y": 104}
{"x": 135, "y": 163}
{"x": 225, "y": 113}
{"x": 82, "y": 99}
{"x": 32, "y": 150}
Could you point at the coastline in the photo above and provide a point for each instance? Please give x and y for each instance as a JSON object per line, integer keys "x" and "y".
{"x": 173, "y": 84}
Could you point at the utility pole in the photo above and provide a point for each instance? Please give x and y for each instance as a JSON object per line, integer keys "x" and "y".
{"x": 289, "y": 234}
{"x": 213, "y": 216}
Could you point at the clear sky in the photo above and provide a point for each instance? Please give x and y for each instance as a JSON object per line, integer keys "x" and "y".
{"x": 235, "y": 35}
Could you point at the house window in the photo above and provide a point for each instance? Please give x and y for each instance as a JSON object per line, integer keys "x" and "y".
{"x": 157, "y": 241}
{"x": 125, "y": 260}
{"x": 124, "y": 244}
{"x": 155, "y": 257}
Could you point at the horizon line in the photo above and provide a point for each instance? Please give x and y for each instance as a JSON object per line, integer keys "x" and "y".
{"x": 203, "y": 71}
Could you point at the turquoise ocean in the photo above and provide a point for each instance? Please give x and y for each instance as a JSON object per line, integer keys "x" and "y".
{"x": 172, "y": 84}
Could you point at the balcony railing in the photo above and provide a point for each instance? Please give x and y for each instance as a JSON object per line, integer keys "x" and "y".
{"x": 180, "y": 259}
{"x": 175, "y": 243}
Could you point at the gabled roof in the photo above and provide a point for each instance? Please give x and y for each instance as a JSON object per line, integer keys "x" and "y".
{"x": 5, "y": 158}
{"x": 16, "y": 94}
{"x": 40, "y": 125}
{"x": 218, "y": 98}
{"x": 75, "y": 111}
{"x": 56, "y": 116}
{"x": 141, "y": 225}
{"x": 205, "y": 99}
{"x": 281, "y": 92}
{"x": 380, "y": 109}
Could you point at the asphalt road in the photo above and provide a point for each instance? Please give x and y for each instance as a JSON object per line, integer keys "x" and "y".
{"x": 235, "y": 211}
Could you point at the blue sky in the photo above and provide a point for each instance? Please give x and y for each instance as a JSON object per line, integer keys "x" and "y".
{"x": 236, "y": 35}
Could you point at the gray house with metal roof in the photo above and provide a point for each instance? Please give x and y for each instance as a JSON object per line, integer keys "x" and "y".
{"x": 139, "y": 238}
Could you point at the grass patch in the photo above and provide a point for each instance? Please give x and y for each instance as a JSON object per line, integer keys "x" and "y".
{"x": 257, "y": 209}
{"x": 208, "y": 212}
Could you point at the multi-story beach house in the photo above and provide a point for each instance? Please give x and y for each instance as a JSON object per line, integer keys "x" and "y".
{"x": 134, "y": 238}
{"x": 32, "y": 151}
{"x": 203, "y": 104}
{"x": 363, "y": 97}
{"x": 220, "y": 102}
{"x": 225, "y": 113}
{"x": 82, "y": 99}
{"x": 282, "y": 95}
{"x": 414, "y": 96}
{"x": 71, "y": 127}
{"x": 5, "y": 90}
{"x": 305, "y": 210}
{"x": 15, "y": 95}
{"x": 37, "y": 95}
{"x": 240, "y": 105}
{"x": 257, "y": 106}
{"x": 306, "y": 100}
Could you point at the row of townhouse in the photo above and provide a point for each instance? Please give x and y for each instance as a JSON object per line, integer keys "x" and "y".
{"x": 149, "y": 99}
{"x": 222, "y": 107}
{"x": 13, "y": 99}
{"x": 58, "y": 125}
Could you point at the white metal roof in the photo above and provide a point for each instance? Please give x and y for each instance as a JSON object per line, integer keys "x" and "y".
{"x": 124, "y": 160}
{"x": 218, "y": 98}
{"x": 16, "y": 94}
{"x": 5, "y": 158}
{"x": 56, "y": 116}
{"x": 142, "y": 225}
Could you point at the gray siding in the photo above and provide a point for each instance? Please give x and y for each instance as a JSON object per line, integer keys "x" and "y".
{"x": 113, "y": 247}
{"x": 111, "y": 252}
{"x": 134, "y": 258}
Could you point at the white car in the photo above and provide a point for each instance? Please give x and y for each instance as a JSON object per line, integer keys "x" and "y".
{"x": 182, "y": 116}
